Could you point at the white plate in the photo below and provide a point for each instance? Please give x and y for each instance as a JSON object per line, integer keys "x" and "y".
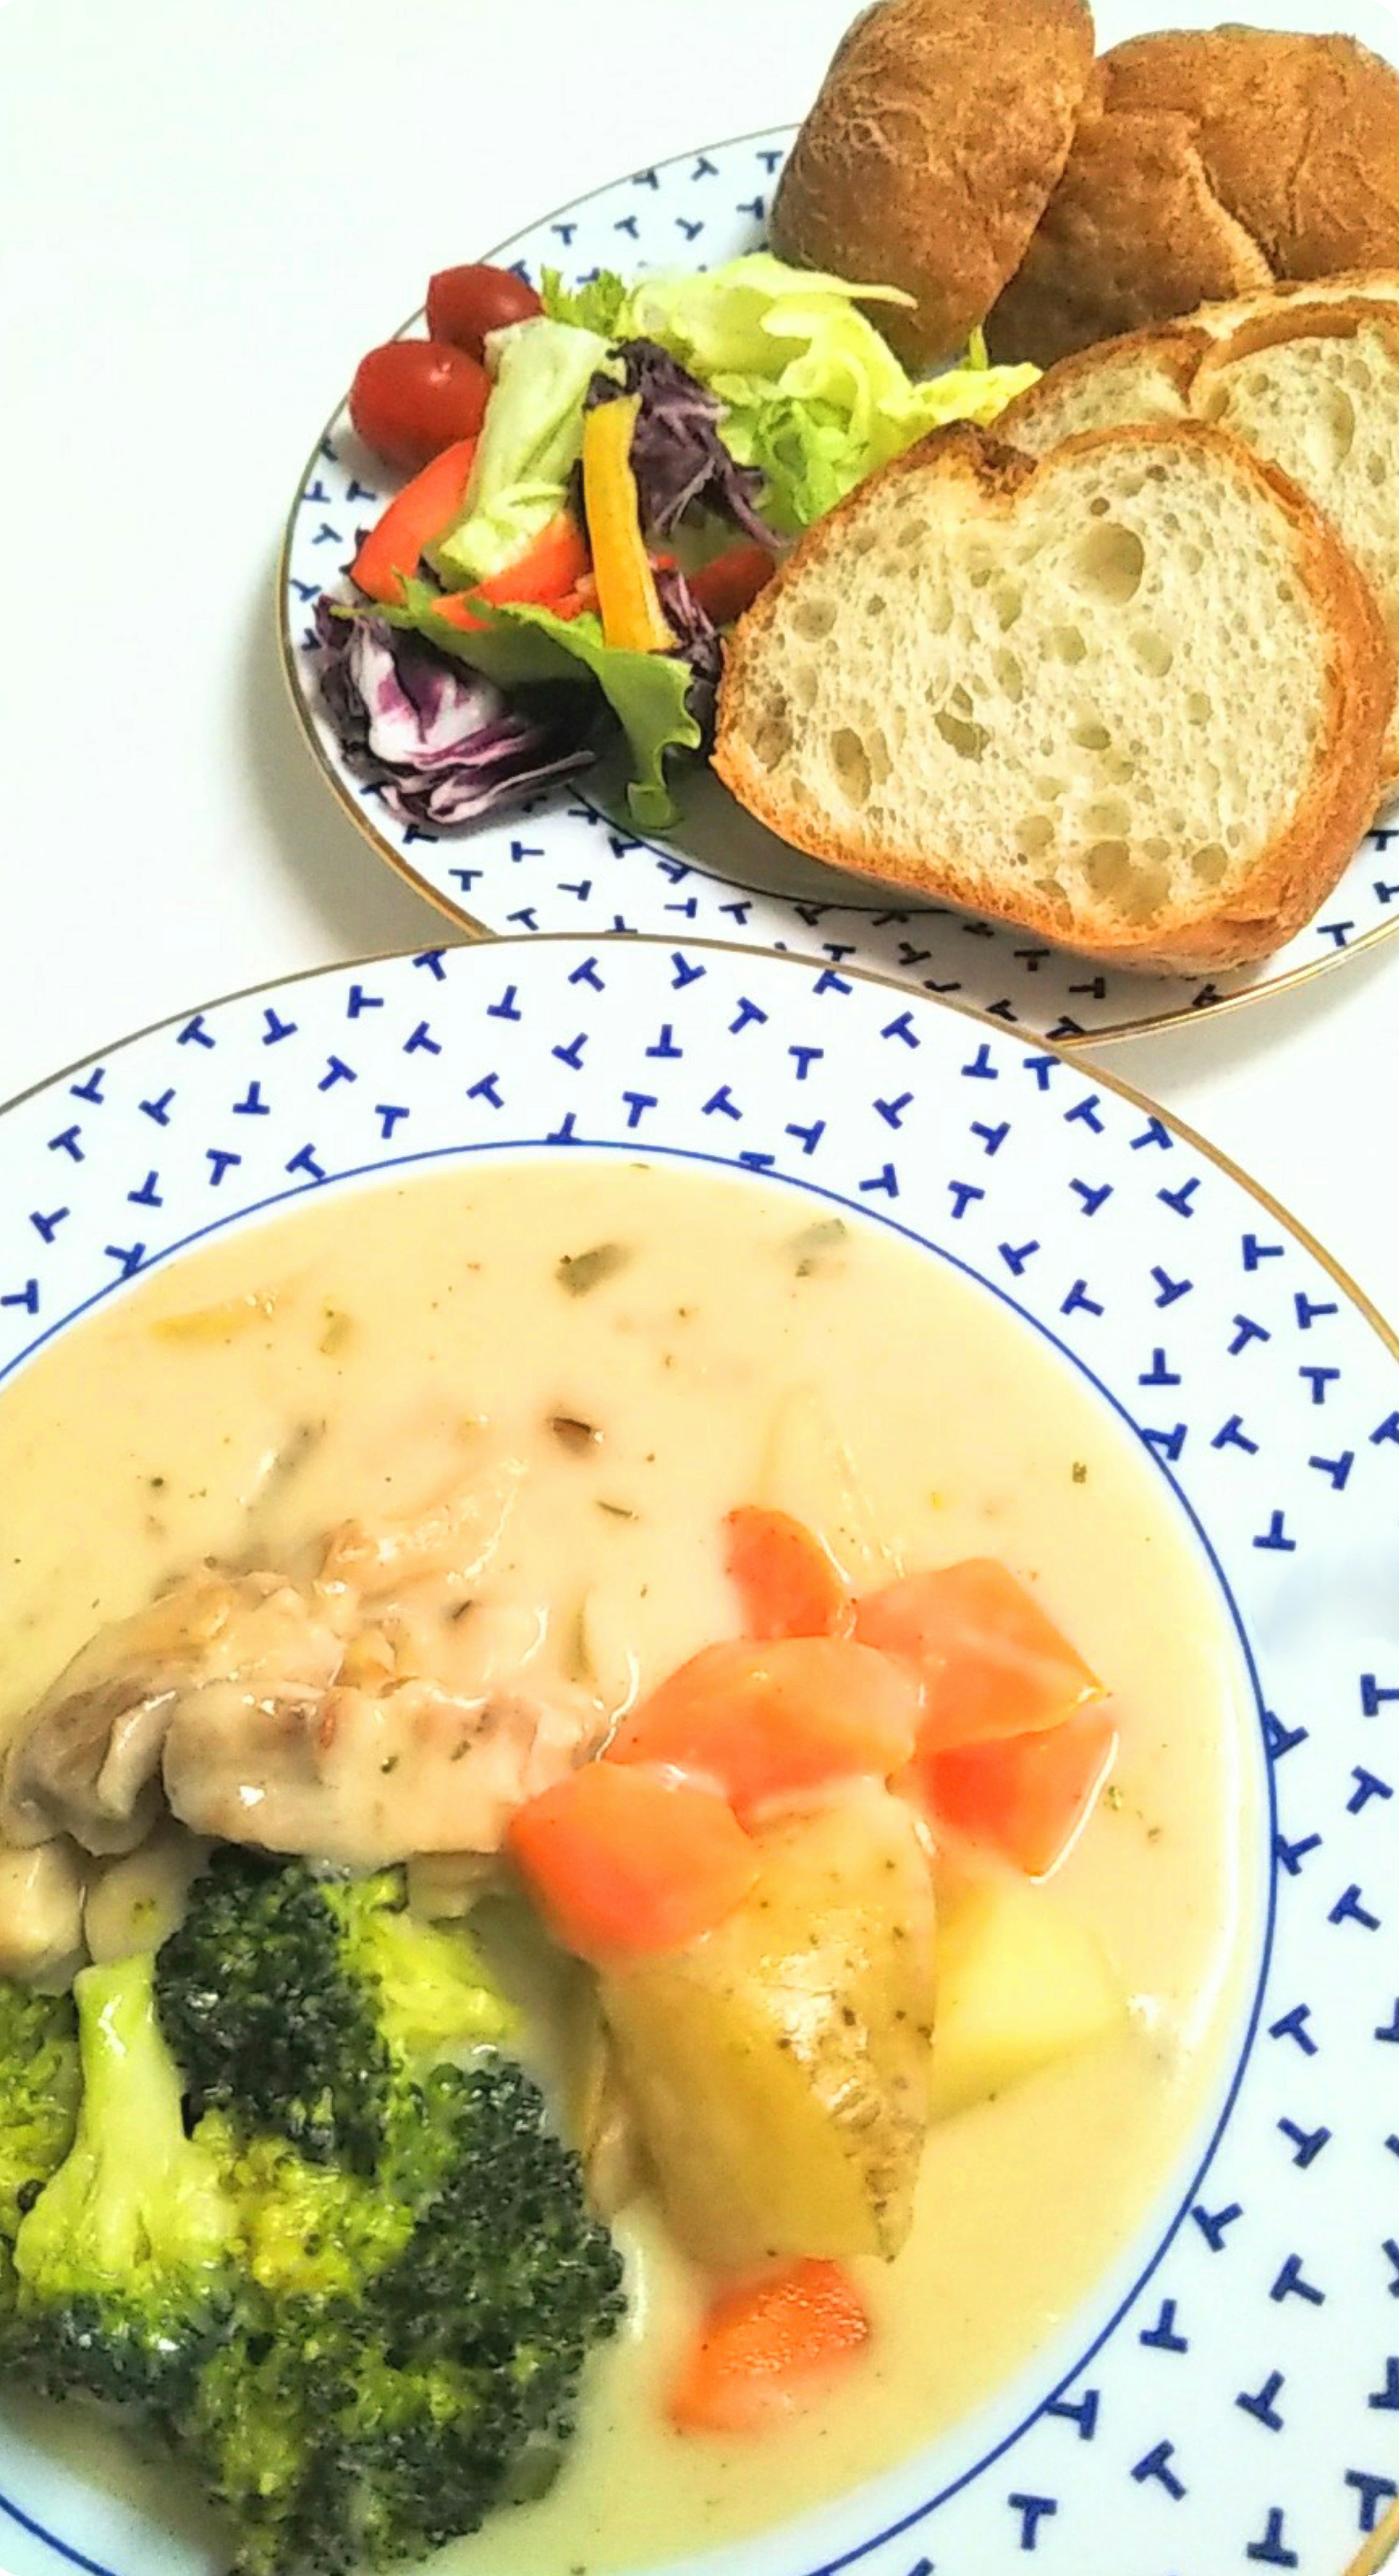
{"x": 1228, "y": 2399}
{"x": 564, "y": 862}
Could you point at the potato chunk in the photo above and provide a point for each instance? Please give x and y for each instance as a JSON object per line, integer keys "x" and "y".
{"x": 779, "y": 2066}
{"x": 1019, "y": 1985}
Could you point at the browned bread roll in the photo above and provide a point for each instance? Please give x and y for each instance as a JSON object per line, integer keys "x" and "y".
{"x": 931, "y": 153}
{"x": 1209, "y": 162}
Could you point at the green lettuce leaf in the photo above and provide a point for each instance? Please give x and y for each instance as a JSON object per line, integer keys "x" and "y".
{"x": 531, "y": 439}
{"x": 595, "y": 306}
{"x": 520, "y": 645}
{"x": 816, "y": 397}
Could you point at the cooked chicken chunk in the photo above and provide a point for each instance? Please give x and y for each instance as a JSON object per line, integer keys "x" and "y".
{"x": 41, "y": 1913}
{"x": 138, "y": 1901}
{"x": 88, "y": 1762}
{"x": 455, "y": 1537}
{"x": 383, "y": 1766}
{"x": 375, "y": 1712}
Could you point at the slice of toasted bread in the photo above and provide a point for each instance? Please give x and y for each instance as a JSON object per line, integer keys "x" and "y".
{"x": 1312, "y": 384}
{"x": 1132, "y": 697}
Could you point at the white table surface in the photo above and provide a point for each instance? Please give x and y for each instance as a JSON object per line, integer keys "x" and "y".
{"x": 207, "y": 209}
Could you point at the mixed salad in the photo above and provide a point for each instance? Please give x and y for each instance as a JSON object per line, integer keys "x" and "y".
{"x": 602, "y": 479}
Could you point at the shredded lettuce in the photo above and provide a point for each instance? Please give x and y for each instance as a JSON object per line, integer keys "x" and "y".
{"x": 531, "y": 440}
{"x": 595, "y": 305}
{"x": 520, "y": 645}
{"x": 815, "y": 396}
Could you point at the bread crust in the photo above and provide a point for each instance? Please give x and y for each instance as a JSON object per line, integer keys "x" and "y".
{"x": 1290, "y": 878}
{"x": 1188, "y": 355}
{"x": 931, "y": 152}
{"x": 1134, "y": 232}
{"x": 1219, "y": 159}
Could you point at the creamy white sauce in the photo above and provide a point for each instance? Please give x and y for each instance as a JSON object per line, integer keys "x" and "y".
{"x": 374, "y": 1348}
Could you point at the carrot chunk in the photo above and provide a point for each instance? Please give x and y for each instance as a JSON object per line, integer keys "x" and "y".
{"x": 764, "y": 1721}
{"x": 766, "y": 2346}
{"x": 1027, "y": 1796}
{"x": 786, "y": 1581}
{"x": 990, "y": 1661}
{"x": 630, "y": 1860}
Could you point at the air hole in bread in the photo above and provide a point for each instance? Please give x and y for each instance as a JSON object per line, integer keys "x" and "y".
{"x": 1210, "y": 863}
{"x": 876, "y": 604}
{"x": 850, "y": 765}
{"x": 1098, "y": 508}
{"x": 979, "y": 568}
{"x": 1055, "y": 898}
{"x": 968, "y": 740}
{"x": 1050, "y": 789}
{"x": 813, "y": 619}
{"x": 1376, "y": 471}
{"x": 1197, "y": 707}
{"x": 803, "y": 687}
{"x": 1157, "y": 850}
{"x": 1108, "y": 816}
{"x": 1153, "y": 652}
{"x": 1110, "y": 561}
{"x": 772, "y": 741}
{"x": 1340, "y": 421}
{"x": 1008, "y": 604}
{"x": 861, "y": 538}
{"x": 1033, "y": 834}
{"x": 911, "y": 534}
{"x": 877, "y": 754}
{"x": 1130, "y": 883}
{"x": 1070, "y": 644}
{"x": 961, "y": 701}
{"x": 1090, "y": 735}
{"x": 1009, "y": 677}
{"x": 938, "y": 612}
{"x": 1192, "y": 556}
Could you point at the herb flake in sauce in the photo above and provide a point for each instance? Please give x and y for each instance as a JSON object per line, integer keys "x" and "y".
{"x": 580, "y": 1272}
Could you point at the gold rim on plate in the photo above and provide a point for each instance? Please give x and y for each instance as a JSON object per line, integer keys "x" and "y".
{"x": 465, "y": 921}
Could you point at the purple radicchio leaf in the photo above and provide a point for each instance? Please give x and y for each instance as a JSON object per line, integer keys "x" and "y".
{"x": 439, "y": 740}
{"x": 680, "y": 462}
{"x": 698, "y": 642}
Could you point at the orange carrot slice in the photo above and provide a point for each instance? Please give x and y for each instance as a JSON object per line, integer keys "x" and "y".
{"x": 417, "y": 514}
{"x": 762, "y": 1722}
{"x": 991, "y": 1662}
{"x": 768, "y": 2346}
{"x": 1027, "y": 1796}
{"x": 786, "y": 1581}
{"x": 630, "y": 1860}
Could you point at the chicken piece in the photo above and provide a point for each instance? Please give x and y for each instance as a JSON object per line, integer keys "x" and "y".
{"x": 41, "y": 1914}
{"x": 87, "y": 1763}
{"x": 365, "y": 1777}
{"x": 456, "y": 1537}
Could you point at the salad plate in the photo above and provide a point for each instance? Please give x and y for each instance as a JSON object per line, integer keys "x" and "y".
{"x": 1224, "y": 2392}
{"x": 573, "y": 858}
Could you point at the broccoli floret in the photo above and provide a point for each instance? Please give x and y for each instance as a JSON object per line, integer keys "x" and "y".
{"x": 361, "y": 2339}
{"x": 370, "y": 2426}
{"x": 298, "y": 2004}
{"x": 124, "y": 2258}
{"x": 38, "y": 2113}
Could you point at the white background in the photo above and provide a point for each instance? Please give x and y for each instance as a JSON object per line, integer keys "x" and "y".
{"x": 208, "y": 208}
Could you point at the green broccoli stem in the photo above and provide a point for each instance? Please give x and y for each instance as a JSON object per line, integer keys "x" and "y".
{"x": 133, "y": 2191}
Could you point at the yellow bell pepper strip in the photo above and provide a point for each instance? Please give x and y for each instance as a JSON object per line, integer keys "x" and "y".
{"x": 632, "y": 617}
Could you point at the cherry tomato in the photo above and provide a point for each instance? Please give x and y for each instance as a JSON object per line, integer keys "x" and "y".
{"x": 412, "y": 398}
{"x": 463, "y": 304}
